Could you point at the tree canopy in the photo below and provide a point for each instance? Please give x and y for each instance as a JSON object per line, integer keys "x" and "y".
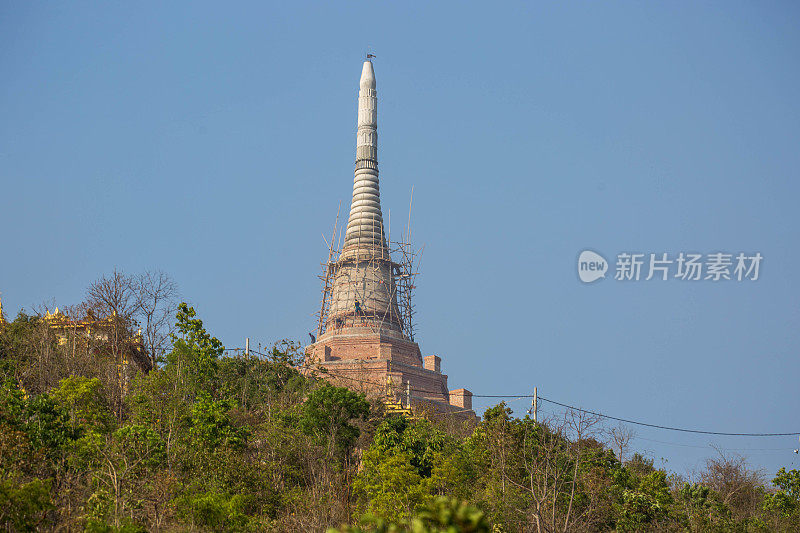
{"x": 207, "y": 442}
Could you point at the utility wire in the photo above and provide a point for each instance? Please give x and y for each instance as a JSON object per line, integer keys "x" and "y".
{"x": 669, "y": 428}
{"x": 706, "y": 447}
{"x": 567, "y": 406}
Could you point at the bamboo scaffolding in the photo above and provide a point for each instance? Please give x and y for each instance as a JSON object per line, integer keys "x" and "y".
{"x": 403, "y": 276}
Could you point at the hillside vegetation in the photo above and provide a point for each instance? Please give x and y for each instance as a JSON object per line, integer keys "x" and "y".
{"x": 208, "y": 442}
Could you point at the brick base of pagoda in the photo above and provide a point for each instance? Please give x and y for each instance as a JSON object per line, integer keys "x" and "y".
{"x": 380, "y": 364}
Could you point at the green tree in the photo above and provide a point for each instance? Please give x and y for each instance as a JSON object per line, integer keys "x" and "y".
{"x": 647, "y": 504}
{"x": 327, "y": 416}
{"x": 786, "y": 500}
{"x": 195, "y": 353}
{"x": 119, "y": 464}
{"x": 403, "y": 466}
{"x": 23, "y": 505}
{"x": 264, "y": 384}
{"x": 213, "y": 511}
{"x": 389, "y": 486}
{"x": 44, "y": 420}
{"x": 438, "y": 515}
{"x": 419, "y": 439}
{"x": 85, "y": 403}
{"x": 211, "y": 426}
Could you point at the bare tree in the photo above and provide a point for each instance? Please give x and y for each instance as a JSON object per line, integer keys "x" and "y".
{"x": 114, "y": 296}
{"x": 98, "y": 337}
{"x": 738, "y": 485}
{"x": 552, "y": 457}
{"x": 583, "y": 428}
{"x": 621, "y": 437}
{"x": 156, "y": 295}
{"x": 44, "y": 364}
{"x": 113, "y": 299}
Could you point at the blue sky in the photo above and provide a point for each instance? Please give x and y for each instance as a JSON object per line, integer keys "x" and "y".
{"x": 215, "y": 142}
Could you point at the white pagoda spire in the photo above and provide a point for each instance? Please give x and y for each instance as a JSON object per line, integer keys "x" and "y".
{"x": 364, "y": 292}
{"x": 365, "y": 225}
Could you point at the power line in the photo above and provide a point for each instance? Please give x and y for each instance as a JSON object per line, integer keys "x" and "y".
{"x": 669, "y": 428}
{"x": 703, "y": 447}
{"x": 712, "y": 446}
{"x": 567, "y": 406}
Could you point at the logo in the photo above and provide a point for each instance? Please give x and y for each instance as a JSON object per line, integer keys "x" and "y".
{"x": 663, "y": 266}
{"x": 591, "y": 266}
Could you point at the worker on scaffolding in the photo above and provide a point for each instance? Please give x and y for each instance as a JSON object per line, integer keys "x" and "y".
{"x": 358, "y": 307}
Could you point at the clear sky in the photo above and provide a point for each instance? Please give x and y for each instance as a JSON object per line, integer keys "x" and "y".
{"x": 216, "y": 141}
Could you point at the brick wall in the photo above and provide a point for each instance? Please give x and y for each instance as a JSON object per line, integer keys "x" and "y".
{"x": 461, "y": 398}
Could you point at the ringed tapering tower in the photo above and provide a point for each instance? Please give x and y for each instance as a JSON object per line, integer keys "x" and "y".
{"x": 363, "y": 341}
{"x": 364, "y": 292}
{"x": 365, "y": 210}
